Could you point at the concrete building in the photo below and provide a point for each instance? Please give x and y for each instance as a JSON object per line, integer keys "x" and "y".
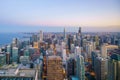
{"x": 114, "y": 65}
{"x": 80, "y": 68}
{"x": 8, "y": 61}
{"x": 63, "y": 45}
{"x": 2, "y": 59}
{"x": 65, "y": 37}
{"x": 64, "y": 56}
{"x": 40, "y": 36}
{"x": 26, "y": 52}
{"x": 9, "y": 49}
{"x": 36, "y": 45}
{"x": 77, "y": 51}
{"x": 94, "y": 55}
{"x": 54, "y": 68}
{"x": 14, "y": 54}
{"x": 71, "y": 67}
{"x": 101, "y": 68}
{"x": 89, "y": 49}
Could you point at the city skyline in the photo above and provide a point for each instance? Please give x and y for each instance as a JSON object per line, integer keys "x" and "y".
{"x": 59, "y": 39}
{"x": 96, "y": 16}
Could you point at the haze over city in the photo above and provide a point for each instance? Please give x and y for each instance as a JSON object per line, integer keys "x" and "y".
{"x": 29, "y": 15}
{"x": 59, "y": 39}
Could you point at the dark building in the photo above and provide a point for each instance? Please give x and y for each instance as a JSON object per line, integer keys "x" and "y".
{"x": 79, "y": 37}
{"x": 70, "y": 67}
{"x": 69, "y": 42}
{"x": 114, "y": 65}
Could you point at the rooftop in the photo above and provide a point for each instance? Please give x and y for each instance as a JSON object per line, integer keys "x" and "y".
{"x": 54, "y": 57}
{"x": 17, "y": 72}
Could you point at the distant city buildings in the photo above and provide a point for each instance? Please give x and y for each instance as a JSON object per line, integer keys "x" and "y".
{"x": 62, "y": 56}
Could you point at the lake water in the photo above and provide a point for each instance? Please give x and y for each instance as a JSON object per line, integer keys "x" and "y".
{"x": 6, "y": 38}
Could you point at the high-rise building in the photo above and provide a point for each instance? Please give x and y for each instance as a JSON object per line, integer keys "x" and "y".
{"x": 9, "y": 48}
{"x": 63, "y": 45}
{"x": 77, "y": 51}
{"x": 2, "y": 59}
{"x": 94, "y": 55}
{"x": 69, "y": 42}
{"x": 26, "y": 52}
{"x": 80, "y": 68}
{"x": 71, "y": 67}
{"x": 8, "y": 58}
{"x": 31, "y": 51}
{"x": 34, "y": 38}
{"x": 97, "y": 40}
{"x": 89, "y": 49}
{"x": 114, "y": 65}
{"x": 79, "y": 37}
{"x": 36, "y": 46}
{"x": 93, "y": 46}
{"x": 15, "y": 42}
{"x": 64, "y": 34}
{"x": 40, "y": 36}
{"x": 79, "y": 31}
{"x": 14, "y": 54}
{"x": 101, "y": 68}
{"x": 64, "y": 55}
{"x": 54, "y": 68}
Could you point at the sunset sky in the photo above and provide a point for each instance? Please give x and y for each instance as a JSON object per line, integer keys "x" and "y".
{"x": 31, "y": 15}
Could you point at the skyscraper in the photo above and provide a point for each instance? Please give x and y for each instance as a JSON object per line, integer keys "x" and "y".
{"x": 35, "y": 44}
{"x": 9, "y": 48}
{"x": 114, "y": 65}
{"x": 54, "y": 68}
{"x": 64, "y": 34}
{"x": 77, "y": 51}
{"x": 2, "y": 59}
{"x": 79, "y": 37}
{"x": 71, "y": 67}
{"x": 89, "y": 49}
{"x": 40, "y": 36}
{"x": 79, "y": 31}
{"x": 97, "y": 40}
{"x": 64, "y": 55}
{"x": 101, "y": 68}
{"x": 14, "y": 54}
{"x": 69, "y": 42}
{"x": 80, "y": 68}
{"x": 8, "y": 58}
{"x": 94, "y": 55}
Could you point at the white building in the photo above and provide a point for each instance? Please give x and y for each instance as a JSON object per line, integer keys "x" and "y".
{"x": 105, "y": 49}
{"x": 64, "y": 55}
{"x": 40, "y": 36}
{"x": 89, "y": 49}
{"x": 63, "y": 45}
